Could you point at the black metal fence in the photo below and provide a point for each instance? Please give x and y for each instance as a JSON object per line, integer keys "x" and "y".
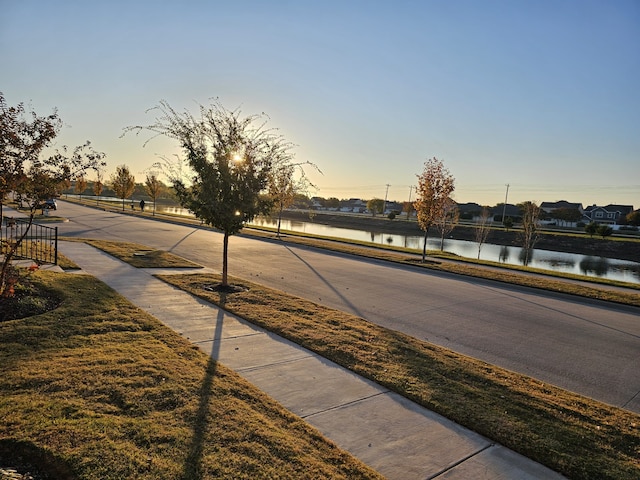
{"x": 40, "y": 244}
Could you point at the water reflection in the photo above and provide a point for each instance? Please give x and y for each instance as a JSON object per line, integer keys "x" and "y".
{"x": 594, "y": 265}
{"x": 548, "y": 260}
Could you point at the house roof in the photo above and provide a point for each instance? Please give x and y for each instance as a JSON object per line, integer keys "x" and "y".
{"x": 550, "y": 206}
{"x": 469, "y": 207}
{"x": 623, "y": 209}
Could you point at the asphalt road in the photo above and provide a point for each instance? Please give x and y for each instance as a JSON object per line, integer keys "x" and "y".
{"x": 591, "y": 348}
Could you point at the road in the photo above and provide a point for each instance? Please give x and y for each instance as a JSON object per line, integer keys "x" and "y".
{"x": 592, "y": 348}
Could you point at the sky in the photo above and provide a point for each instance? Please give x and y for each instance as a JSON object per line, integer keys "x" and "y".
{"x": 542, "y": 96}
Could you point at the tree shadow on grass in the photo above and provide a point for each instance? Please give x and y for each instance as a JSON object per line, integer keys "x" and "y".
{"x": 193, "y": 463}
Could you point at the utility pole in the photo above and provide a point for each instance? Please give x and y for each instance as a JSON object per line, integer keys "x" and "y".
{"x": 504, "y": 207}
{"x": 384, "y": 206}
{"x": 409, "y": 207}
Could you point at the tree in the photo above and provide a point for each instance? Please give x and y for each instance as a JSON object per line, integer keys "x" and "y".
{"x": 230, "y": 157}
{"x": 448, "y": 220}
{"x": 98, "y": 185}
{"x": 529, "y": 235}
{"x": 633, "y": 218}
{"x": 23, "y": 136}
{"x": 81, "y": 185}
{"x": 508, "y": 223}
{"x": 435, "y": 186}
{"x": 153, "y": 186}
{"x": 47, "y": 177}
{"x": 122, "y": 183}
{"x": 605, "y": 231}
{"x": 591, "y": 228}
{"x": 332, "y": 202}
{"x": 283, "y": 186}
{"x": 301, "y": 200}
{"x": 566, "y": 215}
{"x": 375, "y": 205}
{"x": 407, "y": 207}
{"x": 482, "y": 228}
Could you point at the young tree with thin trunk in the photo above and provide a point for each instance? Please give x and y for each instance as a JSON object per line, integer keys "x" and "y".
{"x": 482, "y": 228}
{"x": 282, "y": 190}
{"x": 81, "y": 185}
{"x": 375, "y": 205}
{"x": 435, "y": 186}
{"x": 604, "y": 230}
{"x": 231, "y": 159}
{"x": 98, "y": 186}
{"x": 448, "y": 220}
{"x": 284, "y": 187}
{"x": 529, "y": 234}
{"x": 153, "y": 186}
{"x": 407, "y": 207}
{"x": 123, "y": 183}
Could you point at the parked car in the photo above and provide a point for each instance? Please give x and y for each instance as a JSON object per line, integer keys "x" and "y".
{"x": 51, "y": 204}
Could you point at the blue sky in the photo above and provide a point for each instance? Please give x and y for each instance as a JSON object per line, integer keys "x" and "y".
{"x": 541, "y": 95}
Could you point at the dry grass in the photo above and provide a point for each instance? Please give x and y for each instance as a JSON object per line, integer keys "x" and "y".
{"x": 139, "y": 256}
{"x": 108, "y": 392}
{"x": 574, "y": 435}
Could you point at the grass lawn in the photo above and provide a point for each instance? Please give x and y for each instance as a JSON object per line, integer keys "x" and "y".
{"x": 139, "y": 256}
{"x": 577, "y": 436}
{"x": 574, "y": 435}
{"x": 98, "y": 389}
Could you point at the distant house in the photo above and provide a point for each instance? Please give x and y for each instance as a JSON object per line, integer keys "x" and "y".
{"x": 562, "y": 213}
{"x": 469, "y": 210}
{"x": 317, "y": 203}
{"x": 393, "y": 207}
{"x": 354, "y": 205}
{"x": 609, "y": 215}
{"x": 549, "y": 207}
{"x": 510, "y": 211}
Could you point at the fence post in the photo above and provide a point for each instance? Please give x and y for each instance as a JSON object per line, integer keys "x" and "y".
{"x": 55, "y": 260}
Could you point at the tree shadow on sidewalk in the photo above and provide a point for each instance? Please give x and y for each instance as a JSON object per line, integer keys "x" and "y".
{"x": 192, "y": 469}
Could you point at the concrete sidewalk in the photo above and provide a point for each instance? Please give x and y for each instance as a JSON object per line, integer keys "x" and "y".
{"x": 393, "y": 435}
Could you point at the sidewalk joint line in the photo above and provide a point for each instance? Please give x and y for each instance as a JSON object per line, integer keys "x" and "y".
{"x": 462, "y": 460}
{"x": 352, "y": 402}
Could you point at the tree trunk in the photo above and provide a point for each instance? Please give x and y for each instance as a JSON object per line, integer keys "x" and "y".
{"x": 279, "y": 220}
{"x": 424, "y": 247}
{"x": 225, "y": 262}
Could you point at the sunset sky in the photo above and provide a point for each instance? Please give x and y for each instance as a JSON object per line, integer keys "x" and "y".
{"x": 541, "y": 95}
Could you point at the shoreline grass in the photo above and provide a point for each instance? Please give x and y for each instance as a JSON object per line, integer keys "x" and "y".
{"x": 104, "y": 391}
